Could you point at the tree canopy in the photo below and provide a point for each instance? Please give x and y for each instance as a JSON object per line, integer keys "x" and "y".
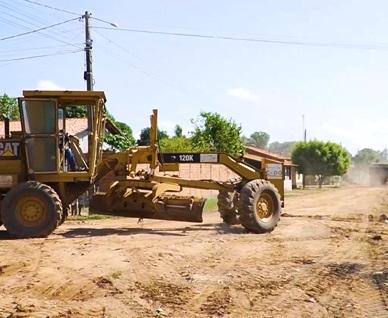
{"x": 177, "y": 144}
{"x": 75, "y": 111}
{"x": 321, "y": 159}
{"x": 123, "y": 140}
{"x": 212, "y": 132}
{"x": 9, "y": 108}
{"x": 366, "y": 156}
{"x": 259, "y": 139}
{"x": 178, "y": 131}
{"x": 144, "y": 139}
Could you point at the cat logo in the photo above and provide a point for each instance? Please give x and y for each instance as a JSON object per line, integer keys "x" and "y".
{"x": 9, "y": 150}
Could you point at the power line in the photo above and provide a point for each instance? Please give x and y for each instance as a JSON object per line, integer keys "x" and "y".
{"x": 39, "y": 33}
{"x": 257, "y": 40}
{"x": 127, "y": 62}
{"x": 39, "y": 56}
{"x": 36, "y": 50}
{"x": 33, "y": 48}
{"x": 118, "y": 45}
{"x": 51, "y": 7}
{"x": 36, "y": 30}
{"x": 28, "y": 18}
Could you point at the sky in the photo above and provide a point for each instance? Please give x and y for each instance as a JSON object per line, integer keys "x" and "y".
{"x": 337, "y": 80}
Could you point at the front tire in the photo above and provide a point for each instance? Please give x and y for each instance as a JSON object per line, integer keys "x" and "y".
{"x": 65, "y": 214}
{"x": 226, "y": 207}
{"x": 259, "y": 206}
{"x": 227, "y": 203}
{"x": 31, "y": 209}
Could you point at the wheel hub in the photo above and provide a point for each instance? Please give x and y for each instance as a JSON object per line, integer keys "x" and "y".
{"x": 30, "y": 211}
{"x": 264, "y": 207}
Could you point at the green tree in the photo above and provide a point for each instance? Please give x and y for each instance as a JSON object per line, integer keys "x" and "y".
{"x": 259, "y": 139}
{"x": 144, "y": 139}
{"x": 9, "y": 108}
{"x": 212, "y": 132}
{"x": 366, "y": 156}
{"x": 178, "y": 131}
{"x": 75, "y": 111}
{"x": 121, "y": 141}
{"x": 320, "y": 158}
{"x": 177, "y": 144}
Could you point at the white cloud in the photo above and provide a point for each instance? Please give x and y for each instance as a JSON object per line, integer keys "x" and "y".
{"x": 243, "y": 94}
{"x": 48, "y": 85}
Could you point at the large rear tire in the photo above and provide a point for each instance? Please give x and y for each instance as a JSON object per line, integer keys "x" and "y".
{"x": 259, "y": 206}
{"x": 31, "y": 209}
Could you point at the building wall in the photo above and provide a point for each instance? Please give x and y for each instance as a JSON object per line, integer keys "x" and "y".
{"x": 287, "y": 184}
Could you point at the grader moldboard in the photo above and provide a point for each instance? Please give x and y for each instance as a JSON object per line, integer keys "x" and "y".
{"x": 39, "y": 179}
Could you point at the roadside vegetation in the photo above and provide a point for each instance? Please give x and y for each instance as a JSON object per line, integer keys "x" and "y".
{"x": 213, "y": 132}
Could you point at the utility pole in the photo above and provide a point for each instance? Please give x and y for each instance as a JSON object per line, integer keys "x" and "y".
{"x": 88, "y": 74}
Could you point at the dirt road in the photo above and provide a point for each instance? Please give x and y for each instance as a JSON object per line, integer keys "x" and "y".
{"x": 327, "y": 258}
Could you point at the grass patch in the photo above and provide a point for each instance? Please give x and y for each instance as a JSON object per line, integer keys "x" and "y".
{"x": 88, "y": 217}
{"x": 116, "y": 275}
{"x": 211, "y": 204}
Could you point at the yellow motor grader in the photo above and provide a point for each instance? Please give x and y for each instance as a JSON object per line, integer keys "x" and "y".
{"x": 43, "y": 170}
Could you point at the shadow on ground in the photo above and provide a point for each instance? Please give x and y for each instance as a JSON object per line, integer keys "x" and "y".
{"x": 220, "y": 228}
{"x": 177, "y": 231}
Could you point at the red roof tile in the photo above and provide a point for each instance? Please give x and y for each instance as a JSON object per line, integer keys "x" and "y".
{"x": 73, "y": 126}
{"x": 257, "y": 153}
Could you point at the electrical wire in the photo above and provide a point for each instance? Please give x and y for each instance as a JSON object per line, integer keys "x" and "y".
{"x": 257, "y": 40}
{"x": 32, "y": 20}
{"x": 13, "y": 50}
{"x": 127, "y": 62}
{"x": 38, "y": 33}
{"x": 39, "y": 56}
{"x": 36, "y": 51}
{"x": 123, "y": 48}
{"x": 51, "y": 7}
{"x": 36, "y": 30}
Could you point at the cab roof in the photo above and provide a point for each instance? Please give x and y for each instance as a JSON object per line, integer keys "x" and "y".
{"x": 65, "y": 94}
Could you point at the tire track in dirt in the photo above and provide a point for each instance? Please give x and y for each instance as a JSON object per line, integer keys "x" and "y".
{"x": 308, "y": 267}
{"x": 320, "y": 276}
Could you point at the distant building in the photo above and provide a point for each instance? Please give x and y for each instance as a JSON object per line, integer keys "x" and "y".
{"x": 378, "y": 174}
{"x": 256, "y": 157}
{"x": 74, "y": 126}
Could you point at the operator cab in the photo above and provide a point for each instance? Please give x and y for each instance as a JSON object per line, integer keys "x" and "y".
{"x": 47, "y": 124}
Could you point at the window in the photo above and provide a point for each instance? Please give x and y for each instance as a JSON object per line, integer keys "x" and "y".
{"x": 39, "y": 116}
{"x": 40, "y": 123}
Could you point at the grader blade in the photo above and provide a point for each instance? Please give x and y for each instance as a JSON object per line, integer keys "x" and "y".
{"x": 139, "y": 204}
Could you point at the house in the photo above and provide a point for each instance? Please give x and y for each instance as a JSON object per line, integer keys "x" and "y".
{"x": 259, "y": 157}
{"x": 74, "y": 126}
